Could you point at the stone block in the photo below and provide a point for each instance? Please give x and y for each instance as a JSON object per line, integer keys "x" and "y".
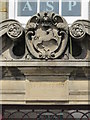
{"x": 79, "y": 90}
{"x": 46, "y": 91}
{"x": 3, "y": 6}
{"x": 3, "y": 16}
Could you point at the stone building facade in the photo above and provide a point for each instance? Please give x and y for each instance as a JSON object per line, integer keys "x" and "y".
{"x": 45, "y": 67}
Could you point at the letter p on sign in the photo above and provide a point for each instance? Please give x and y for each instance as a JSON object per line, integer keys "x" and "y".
{"x": 72, "y": 4}
{"x": 71, "y": 7}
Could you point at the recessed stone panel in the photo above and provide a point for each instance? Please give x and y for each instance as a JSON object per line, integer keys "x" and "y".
{"x": 46, "y": 91}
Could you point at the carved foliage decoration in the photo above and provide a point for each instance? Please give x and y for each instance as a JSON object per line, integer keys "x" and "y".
{"x": 46, "y": 35}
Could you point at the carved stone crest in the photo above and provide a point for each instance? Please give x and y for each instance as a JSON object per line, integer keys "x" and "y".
{"x": 46, "y": 35}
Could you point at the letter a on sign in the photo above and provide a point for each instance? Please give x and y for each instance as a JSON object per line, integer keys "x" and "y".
{"x": 27, "y": 6}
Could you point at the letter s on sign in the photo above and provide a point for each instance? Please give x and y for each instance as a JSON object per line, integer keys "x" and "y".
{"x": 50, "y": 6}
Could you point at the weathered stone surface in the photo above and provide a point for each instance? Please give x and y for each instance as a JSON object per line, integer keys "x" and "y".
{"x": 45, "y": 92}
{"x": 46, "y": 62}
{"x": 12, "y": 90}
{"x": 79, "y": 90}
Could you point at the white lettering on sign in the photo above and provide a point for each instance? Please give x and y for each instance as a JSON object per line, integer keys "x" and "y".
{"x": 72, "y": 4}
{"x": 50, "y": 6}
{"x": 27, "y": 6}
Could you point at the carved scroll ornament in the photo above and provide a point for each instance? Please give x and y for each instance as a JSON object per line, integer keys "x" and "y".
{"x": 80, "y": 35}
{"x": 46, "y": 36}
{"x": 10, "y": 31}
{"x": 12, "y": 28}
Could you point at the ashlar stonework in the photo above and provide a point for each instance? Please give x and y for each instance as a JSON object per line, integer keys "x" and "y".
{"x": 45, "y": 63}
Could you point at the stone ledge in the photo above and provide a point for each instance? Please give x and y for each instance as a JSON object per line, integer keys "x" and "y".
{"x": 49, "y": 63}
